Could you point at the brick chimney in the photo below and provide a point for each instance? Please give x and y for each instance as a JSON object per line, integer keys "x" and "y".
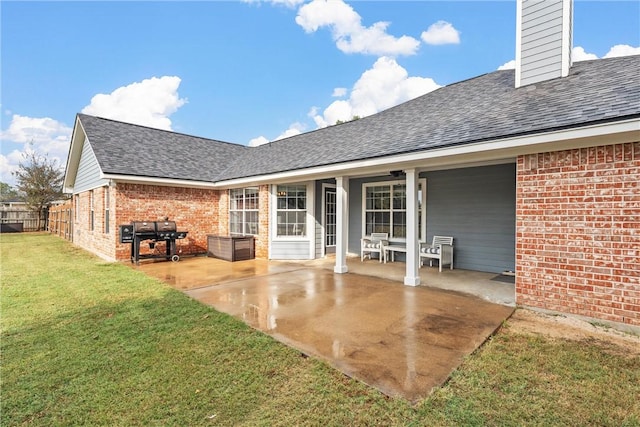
{"x": 544, "y": 38}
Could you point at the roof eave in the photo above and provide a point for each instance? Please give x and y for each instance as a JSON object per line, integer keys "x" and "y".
{"x": 78, "y": 137}
{"x": 147, "y": 180}
{"x": 509, "y": 148}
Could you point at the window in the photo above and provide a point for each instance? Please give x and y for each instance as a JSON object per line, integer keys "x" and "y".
{"x": 106, "y": 209}
{"x": 385, "y": 209}
{"x": 91, "y": 213}
{"x": 244, "y": 211}
{"x": 291, "y": 208}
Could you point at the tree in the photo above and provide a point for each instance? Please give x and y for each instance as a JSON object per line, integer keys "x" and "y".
{"x": 8, "y": 193}
{"x": 40, "y": 181}
{"x": 354, "y": 118}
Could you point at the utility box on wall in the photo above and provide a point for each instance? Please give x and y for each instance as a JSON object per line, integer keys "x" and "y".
{"x": 231, "y": 248}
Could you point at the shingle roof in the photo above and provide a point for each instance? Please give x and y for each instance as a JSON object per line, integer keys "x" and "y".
{"x": 126, "y": 149}
{"x": 483, "y": 108}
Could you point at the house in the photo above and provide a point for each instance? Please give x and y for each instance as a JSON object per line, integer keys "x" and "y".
{"x": 534, "y": 170}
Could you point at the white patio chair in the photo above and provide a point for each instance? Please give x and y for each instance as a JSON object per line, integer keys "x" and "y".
{"x": 374, "y": 244}
{"x": 441, "y": 249}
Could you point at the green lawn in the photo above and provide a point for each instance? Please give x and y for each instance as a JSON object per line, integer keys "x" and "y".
{"x": 86, "y": 342}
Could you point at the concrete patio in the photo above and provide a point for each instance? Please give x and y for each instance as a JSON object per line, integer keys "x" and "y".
{"x": 402, "y": 340}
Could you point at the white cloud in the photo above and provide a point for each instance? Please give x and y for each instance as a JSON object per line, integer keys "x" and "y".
{"x": 40, "y": 131}
{"x": 511, "y": 65}
{"x": 349, "y": 33}
{"x": 384, "y": 85}
{"x": 148, "y": 103}
{"x": 9, "y": 164}
{"x": 292, "y": 4}
{"x": 579, "y": 54}
{"x": 288, "y": 3}
{"x": 41, "y": 134}
{"x": 258, "y": 141}
{"x": 294, "y": 129}
{"x": 442, "y": 32}
{"x": 339, "y": 92}
{"x": 622, "y": 50}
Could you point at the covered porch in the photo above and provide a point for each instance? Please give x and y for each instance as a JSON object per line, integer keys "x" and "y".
{"x": 472, "y": 204}
{"x": 492, "y": 287}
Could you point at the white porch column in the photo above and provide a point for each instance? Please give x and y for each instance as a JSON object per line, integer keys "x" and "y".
{"x": 412, "y": 277}
{"x": 342, "y": 223}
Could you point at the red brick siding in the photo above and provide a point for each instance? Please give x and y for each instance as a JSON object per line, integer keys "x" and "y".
{"x": 262, "y": 241}
{"x": 194, "y": 210}
{"x": 96, "y": 240}
{"x": 578, "y": 232}
{"x": 223, "y": 213}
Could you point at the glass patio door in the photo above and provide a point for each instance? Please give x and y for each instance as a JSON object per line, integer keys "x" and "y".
{"x": 330, "y": 213}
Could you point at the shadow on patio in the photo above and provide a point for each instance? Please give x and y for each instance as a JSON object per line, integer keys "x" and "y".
{"x": 491, "y": 287}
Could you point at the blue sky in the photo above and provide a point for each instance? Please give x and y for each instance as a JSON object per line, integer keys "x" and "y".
{"x": 251, "y": 72}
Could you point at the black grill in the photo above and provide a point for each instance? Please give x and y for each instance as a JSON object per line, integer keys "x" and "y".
{"x": 154, "y": 231}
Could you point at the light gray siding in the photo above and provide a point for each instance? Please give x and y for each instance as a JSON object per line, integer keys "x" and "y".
{"x": 290, "y": 249}
{"x": 477, "y": 207}
{"x": 88, "y": 175}
{"x": 541, "y": 40}
{"x": 318, "y": 219}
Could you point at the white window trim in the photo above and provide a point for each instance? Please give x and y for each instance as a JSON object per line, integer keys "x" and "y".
{"x": 310, "y": 216}
{"x": 107, "y": 210}
{"x": 244, "y": 211}
{"x": 322, "y": 218}
{"x": 422, "y": 182}
{"x": 92, "y": 217}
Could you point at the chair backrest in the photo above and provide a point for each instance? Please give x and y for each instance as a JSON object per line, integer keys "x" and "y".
{"x": 376, "y": 237}
{"x": 442, "y": 240}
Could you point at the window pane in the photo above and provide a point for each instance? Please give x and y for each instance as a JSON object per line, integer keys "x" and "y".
{"x": 251, "y": 198}
{"x": 377, "y": 222}
{"x": 302, "y": 203}
{"x": 235, "y": 199}
{"x": 399, "y": 224}
{"x": 251, "y": 223}
{"x": 399, "y": 196}
{"x": 235, "y": 222}
{"x": 291, "y": 210}
{"x": 291, "y": 203}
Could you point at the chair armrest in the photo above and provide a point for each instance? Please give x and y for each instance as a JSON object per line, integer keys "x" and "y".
{"x": 384, "y": 243}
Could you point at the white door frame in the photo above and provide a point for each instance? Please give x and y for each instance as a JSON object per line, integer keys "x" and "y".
{"x": 325, "y": 186}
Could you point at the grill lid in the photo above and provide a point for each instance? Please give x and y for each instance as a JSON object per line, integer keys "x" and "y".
{"x": 146, "y": 227}
{"x": 165, "y": 226}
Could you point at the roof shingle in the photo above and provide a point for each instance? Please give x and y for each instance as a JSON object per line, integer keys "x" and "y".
{"x": 126, "y": 149}
{"x": 479, "y": 109}
{"x": 484, "y": 108}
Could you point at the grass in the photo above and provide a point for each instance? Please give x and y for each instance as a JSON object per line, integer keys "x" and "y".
{"x": 86, "y": 342}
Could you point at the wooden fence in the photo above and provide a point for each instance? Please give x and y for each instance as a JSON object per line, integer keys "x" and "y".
{"x": 60, "y": 220}
{"x": 16, "y": 220}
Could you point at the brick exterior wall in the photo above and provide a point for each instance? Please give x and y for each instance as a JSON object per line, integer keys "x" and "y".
{"x": 198, "y": 211}
{"x": 194, "y": 210}
{"x": 262, "y": 239}
{"x": 578, "y": 232}
{"x": 96, "y": 239}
